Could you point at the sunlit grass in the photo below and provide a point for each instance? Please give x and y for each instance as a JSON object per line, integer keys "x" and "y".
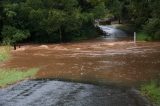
{"x": 10, "y": 76}
{"x": 152, "y": 91}
{"x": 4, "y": 53}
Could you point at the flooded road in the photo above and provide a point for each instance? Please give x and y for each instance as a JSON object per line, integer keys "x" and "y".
{"x": 112, "y": 31}
{"x": 98, "y": 61}
{"x": 110, "y": 63}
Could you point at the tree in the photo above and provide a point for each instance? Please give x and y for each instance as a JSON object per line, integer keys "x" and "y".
{"x": 152, "y": 26}
{"x": 12, "y": 35}
{"x": 64, "y": 20}
{"x": 99, "y": 10}
{"x": 140, "y": 12}
{"x": 1, "y": 18}
{"x": 55, "y": 21}
{"x": 117, "y": 7}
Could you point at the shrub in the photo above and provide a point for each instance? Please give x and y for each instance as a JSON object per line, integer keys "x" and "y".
{"x": 143, "y": 37}
{"x": 152, "y": 28}
{"x": 152, "y": 91}
{"x": 11, "y": 35}
{"x": 157, "y": 35}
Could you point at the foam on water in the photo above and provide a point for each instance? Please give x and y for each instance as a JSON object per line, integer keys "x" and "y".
{"x": 112, "y": 32}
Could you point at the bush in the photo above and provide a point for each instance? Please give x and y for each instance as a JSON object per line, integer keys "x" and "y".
{"x": 152, "y": 28}
{"x": 143, "y": 37}
{"x": 11, "y": 35}
{"x": 157, "y": 35}
{"x": 152, "y": 91}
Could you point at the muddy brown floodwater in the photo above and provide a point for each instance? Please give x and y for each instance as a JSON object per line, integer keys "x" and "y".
{"x": 97, "y": 61}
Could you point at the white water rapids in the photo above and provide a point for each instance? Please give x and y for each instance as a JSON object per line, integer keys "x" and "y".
{"x": 112, "y": 32}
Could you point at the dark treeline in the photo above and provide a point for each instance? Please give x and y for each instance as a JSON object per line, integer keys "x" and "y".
{"x": 66, "y": 20}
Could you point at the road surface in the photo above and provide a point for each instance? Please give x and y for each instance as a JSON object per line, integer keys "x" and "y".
{"x": 58, "y": 93}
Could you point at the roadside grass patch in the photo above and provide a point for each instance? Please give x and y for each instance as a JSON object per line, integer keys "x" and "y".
{"x": 4, "y": 53}
{"x": 143, "y": 37}
{"x": 152, "y": 91}
{"x": 10, "y": 76}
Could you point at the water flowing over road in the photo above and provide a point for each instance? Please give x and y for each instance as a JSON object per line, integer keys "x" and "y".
{"x": 98, "y": 61}
{"x": 112, "y": 32}
{"x": 101, "y": 61}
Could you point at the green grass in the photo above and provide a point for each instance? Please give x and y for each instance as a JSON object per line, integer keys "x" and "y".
{"x": 143, "y": 37}
{"x": 11, "y": 76}
{"x": 152, "y": 91}
{"x": 4, "y": 53}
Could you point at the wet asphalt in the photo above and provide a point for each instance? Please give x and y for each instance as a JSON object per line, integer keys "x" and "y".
{"x": 58, "y": 93}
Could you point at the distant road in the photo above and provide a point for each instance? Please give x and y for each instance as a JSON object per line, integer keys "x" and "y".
{"x": 112, "y": 32}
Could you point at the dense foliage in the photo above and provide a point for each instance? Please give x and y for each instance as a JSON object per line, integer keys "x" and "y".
{"x": 66, "y": 20}
{"x": 146, "y": 17}
{"x": 48, "y": 20}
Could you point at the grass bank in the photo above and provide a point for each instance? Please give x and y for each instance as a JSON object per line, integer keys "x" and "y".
{"x": 143, "y": 37}
{"x": 4, "y": 53}
{"x": 11, "y": 76}
{"x": 152, "y": 91}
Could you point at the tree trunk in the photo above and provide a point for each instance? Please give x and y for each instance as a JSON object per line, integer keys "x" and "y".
{"x": 119, "y": 20}
{"x": 14, "y": 46}
{"x": 60, "y": 34}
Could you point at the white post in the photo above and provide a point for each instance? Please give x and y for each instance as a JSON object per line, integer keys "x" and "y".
{"x": 134, "y": 37}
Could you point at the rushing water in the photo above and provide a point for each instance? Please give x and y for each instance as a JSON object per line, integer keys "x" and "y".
{"x": 97, "y": 61}
{"x": 112, "y": 61}
{"x": 112, "y": 32}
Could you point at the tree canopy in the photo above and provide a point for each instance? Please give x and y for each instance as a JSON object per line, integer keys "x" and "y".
{"x": 66, "y": 20}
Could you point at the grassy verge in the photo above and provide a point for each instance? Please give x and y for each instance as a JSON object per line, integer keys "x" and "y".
{"x": 152, "y": 91}
{"x": 143, "y": 37}
{"x": 4, "y": 53}
{"x": 10, "y": 76}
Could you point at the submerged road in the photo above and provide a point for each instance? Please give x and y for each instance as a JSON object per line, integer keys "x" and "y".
{"x": 57, "y": 93}
{"x": 98, "y": 61}
{"x": 101, "y": 62}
